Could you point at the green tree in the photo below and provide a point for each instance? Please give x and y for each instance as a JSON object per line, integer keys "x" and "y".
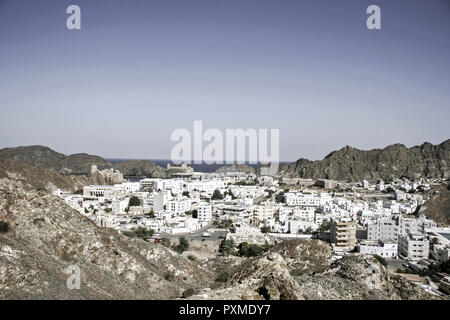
{"x": 325, "y": 226}
{"x": 280, "y": 197}
{"x": 140, "y": 232}
{"x": 434, "y": 241}
{"x": 381, "y": 260}
{"x": 217, "y": 195}
{"x": 182, "y": 246}
{"x": 194, "y": 213}
{"x": 186, "y": 194}
{"x": 227, "y": 247}
{"x": 4, "y": 226}
{"x": 308, "y": 230}
{"x": 223, "y": 224}
{"x": 249, "y": 250}
{"x": 265, "y": 229}
{"x": 166, "y": 242}
{"x": 169, "y": 276}
{"x": 191, "y": 257}
{"x": 223, "y": 276}
{"x": 134, "y": 202}
{"x": 270, "y": 193}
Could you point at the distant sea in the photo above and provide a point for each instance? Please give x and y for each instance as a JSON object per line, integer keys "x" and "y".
{"x": 447, "y": 235}
{"x": 203, "y": 167}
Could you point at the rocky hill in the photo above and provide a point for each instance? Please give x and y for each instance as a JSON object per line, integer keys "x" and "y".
{"x": 46, "y": 237}
{"x": 141, "y": 168}
{"x": 394, "y": 161}
{"x": 38, "y": 156}
{"x": 236, "y": 168}
{"x": 438, "y": 206}
{"x": 302, "y": 269}
{"x": 44, "y": 157}
{"x": 43, "y": 179}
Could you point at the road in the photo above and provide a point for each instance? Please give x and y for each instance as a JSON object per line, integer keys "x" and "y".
{"x": 394, "y": 264}
{"x": 196, "y": 235}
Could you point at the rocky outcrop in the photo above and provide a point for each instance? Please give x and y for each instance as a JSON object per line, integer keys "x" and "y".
{"x": 80, "y": 163}
{"x": 359, "y": 277}
{"x": 274, "y": 277}
{"x": 263, "y": 278}
{"x": 37, "y": 156}
{"x": 43, "y": 179}
{"x": 140, "y": 168}
{"x": 438, "y": 206}
{"x": 395, "y": 161}
{"x": 236, "y": 168}
{"x": 304, "y": 256}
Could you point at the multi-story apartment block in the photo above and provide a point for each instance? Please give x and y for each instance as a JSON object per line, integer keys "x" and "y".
{"x": 119, "y": 205}
{"x": 391, "y": 228}
{"x": 343, "y": 234}
{"x": 441, "y": 252}
{"x": 413, "y": 246}
{"x": 160, "y": 200}
{"x": 304, "y": 213}
{"x": 204, "y": 211}
{"x": 179, "y": 205}
{"x": 262, "y": 212}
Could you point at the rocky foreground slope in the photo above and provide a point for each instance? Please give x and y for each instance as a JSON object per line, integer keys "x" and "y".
{"x": 303, "y": 270}
{"x": 46, "y": 237}
{"x": 394, "y": 161}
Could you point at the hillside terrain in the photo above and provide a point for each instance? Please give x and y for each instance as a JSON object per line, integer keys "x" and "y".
{"x": 348, "y": 164}
{"x": 46, "y": 237}
{"x": 304, "y": 270}
{"x": 438, "y": 206}
{"x": 80, "y": 164}
{"x": 235, "y": 168}
{"x": 394, "y": 161}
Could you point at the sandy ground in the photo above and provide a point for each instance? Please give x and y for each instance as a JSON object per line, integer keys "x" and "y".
{"x": 203, "y": 250}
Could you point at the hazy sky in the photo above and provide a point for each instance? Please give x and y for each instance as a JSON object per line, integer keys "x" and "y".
{"x": 137, "y": 70}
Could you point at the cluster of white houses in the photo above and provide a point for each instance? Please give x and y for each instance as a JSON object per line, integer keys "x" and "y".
{"x": 381, "y": 226}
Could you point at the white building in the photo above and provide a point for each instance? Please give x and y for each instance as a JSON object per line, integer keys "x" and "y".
{"x": 400, "y": 195}
{"x": 365, "y": 184}
{"x": 128, "y": 187}
{"x": 98, "y": 191}
{"x": 391, "y": 228}
{"x": 160, "y": 200}
{"x": 204, "y": 211}
{"x": 304, "y": 213}
{"x": 299, "y": 199}
{"x": 119, "y": 205}
{"x": 265, "y": 211}
{"x": 385, "y": 249}
{"x": 413, "y": 246}
{"x": 179, "y": 205}
{"x": 441, "y": 252}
